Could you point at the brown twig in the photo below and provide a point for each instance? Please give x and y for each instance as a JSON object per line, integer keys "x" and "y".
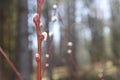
{"x": 39, "y": 37}
{"x": 11, "y": 64}
{"x": 47, "y": 57}
{"x": 70, "y": 53}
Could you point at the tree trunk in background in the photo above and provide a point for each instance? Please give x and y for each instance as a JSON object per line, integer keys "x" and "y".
{"x": 96, "y": 26}
{"x": 72, "y": 36}
{"x": 115, "y": 33}
{"x": 97, "y": 43}
{"x": 24, "y": 56}
{"x": 8, "y": 31}
{"x": 47, "y": 20}
{"x": 115, "y": 29}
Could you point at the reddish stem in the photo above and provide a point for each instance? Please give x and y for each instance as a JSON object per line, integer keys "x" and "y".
{"x": 46, "y": 59}
{"x": 38, "y": 30}
{"x": 39, "y": 52}
{"x": 74, "y": 64}
{"x": 71, "y": 56}
{"x": 11, "y": 64}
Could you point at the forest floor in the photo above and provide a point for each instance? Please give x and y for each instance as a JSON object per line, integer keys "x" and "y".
{"x": 98, "y": 69}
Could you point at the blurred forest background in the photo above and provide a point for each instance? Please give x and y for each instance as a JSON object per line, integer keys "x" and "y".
{"x": 85, "y": 44}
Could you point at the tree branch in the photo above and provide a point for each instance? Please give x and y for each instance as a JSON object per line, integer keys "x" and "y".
{"x": 11, "y": 64}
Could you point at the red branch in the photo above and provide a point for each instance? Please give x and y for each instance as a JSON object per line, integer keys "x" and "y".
{"x": 73, "y": 62}
{"x": 11, "y": 64}
{"x": 47, "y": 58}
{"x": 39, "y": 37}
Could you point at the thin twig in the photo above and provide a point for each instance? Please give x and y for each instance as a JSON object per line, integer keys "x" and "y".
{"x": 38, "y": 31}
{"x": 74, "y": 64}
{"x": 11, "y": 64}
{"x": 47, "y": 58}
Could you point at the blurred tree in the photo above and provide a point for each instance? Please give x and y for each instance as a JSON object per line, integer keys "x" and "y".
{"x": 22, "y": 45}
{"x": 46, "y": 14}
{"x": 115, "y": 33}
{"x": 97, "y": 43}
{"x": 115, "y": 26}
{"x": 8, "y": 32}
{"x": 96, "y": 26}
{"x": 71, "y": 36}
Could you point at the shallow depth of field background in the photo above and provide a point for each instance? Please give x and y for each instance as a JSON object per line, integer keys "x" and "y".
{"x": 92, "y": 26}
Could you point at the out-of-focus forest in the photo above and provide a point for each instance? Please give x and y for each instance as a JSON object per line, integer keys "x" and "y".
{"x": 84, "y": 45}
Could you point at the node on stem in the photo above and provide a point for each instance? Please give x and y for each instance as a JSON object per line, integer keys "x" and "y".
{"x": 37, "y": 57}
{"x": 43, "y": 36}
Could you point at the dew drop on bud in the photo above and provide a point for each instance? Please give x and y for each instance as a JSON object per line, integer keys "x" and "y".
{"x": 37, "y": 57}
{"x": 44, "y": 35}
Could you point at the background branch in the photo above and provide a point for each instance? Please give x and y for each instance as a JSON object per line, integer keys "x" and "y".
{"x": 11, "y": 64}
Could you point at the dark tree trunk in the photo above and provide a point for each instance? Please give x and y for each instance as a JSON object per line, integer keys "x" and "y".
{"x": 8, "y": 23}
{"x": 24, "y": 56}
{"x": 72, "y": 37}
{"x": 115, "y": 26}
{"x": 115, "y": 33}
{"x": 97, "y": 43}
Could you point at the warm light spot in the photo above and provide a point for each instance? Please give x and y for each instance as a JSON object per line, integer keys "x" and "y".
{"x": 47, "y": 65}
{"x": 55, "y": 6}
{"x": 50, "y": 34}
{"x": 47, "y": 56}
{"x": 54, "y": 18}
{"x": 70, "y": 44}
{"x": 41, "y": 24}
{"x": 69, "y": 51}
